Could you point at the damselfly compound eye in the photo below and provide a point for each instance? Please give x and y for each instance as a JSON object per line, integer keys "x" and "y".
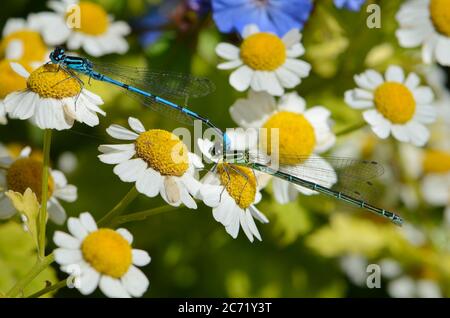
{"x": 296, "y": 137}
{"x": 263, "y": 51}
{"x": 395, "y": 101}
{"x": 51, "y": 81}
{"x": 27, "y": 173}
{"x": 163, "y": 151}
{"x": 107, "y": 252}
{"x": 240, "y": 183}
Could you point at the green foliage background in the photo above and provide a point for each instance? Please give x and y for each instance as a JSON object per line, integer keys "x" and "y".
{"x": 192, "y": 256}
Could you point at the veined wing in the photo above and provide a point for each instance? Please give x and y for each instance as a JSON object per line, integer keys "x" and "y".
{"x": 161, "y": 83}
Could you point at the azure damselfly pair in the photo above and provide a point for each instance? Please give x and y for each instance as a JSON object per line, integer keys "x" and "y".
{"x": 153, "y": 88}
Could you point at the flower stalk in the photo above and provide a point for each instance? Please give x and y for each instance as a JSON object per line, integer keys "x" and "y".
{"x": 43, "y": 212}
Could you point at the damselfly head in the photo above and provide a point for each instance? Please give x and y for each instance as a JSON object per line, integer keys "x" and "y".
{"x": 57, "y": 55}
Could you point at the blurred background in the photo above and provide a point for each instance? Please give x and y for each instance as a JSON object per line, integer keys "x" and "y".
{"x": 314, "y": 247}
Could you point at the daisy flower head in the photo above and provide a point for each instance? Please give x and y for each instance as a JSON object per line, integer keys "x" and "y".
{"x": 232, "y": 192}
{"x": 25, "y": 171}
{"x": 22, "y": 41}
{"x": 52, "y": 99}
{"x": 157, "y": 161}
{"x": 302, "y": 135}
{"x": 101, "y": 257}
{"x": 82, "y": 24}
{"x": 10, "y": 81}
{"x": 426, "y": 23}
{"x": 277, "y": 16}
{"x": 264, "y": 61}
{"x": 394, "y": 104}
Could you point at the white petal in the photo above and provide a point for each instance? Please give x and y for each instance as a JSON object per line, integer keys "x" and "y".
{"x": 425, "y": 114}
{"x": 135, "y": 282}
{"x": 67, "y": 193}
{"x": 149, "y": 182}
{"x": 76, "y": 228}
{"x": 258, "y": 215}
{"x": 287, "y": 78}
{"x": 400, "y": 132}
{"x": 140, "y": 257}
{"x": 88, "y": 222}
{"x": 395, "y": 74}
{"x": 353, "y": 102}
{"x": 65, "y": 240}
{"x": 229, "y": 65}
{"x": 252, "y": 225}
{"x": 292, "y": 37}
{"x": 442, "y": 51}
{"x": 299, "y": 67}
{"x": 241, "y": 78}
{"x": 423, "y": 95}
{"x": 249, "y": 30}
{"x": 131, "y": 170}
{"x": 136, "y": 125}
{"x": 56, "y": 212}
{"x": 19, "y": 69}
{"x": 122, "y": 133}
{"x": 6, "y": 207}
{"x": 244, "y": 225}
{"x": 65, "y": 256}
{"x": 412, "y": 81}
{"x": 125, "y": 234}
{"x": 380, "y": 126}
{"x": 419, "y": 134}
{"x": 88, "y": 280}
{"x": 250, "y": 111}
{"x": 227, "y": 51}
{"x": 112, "y": 287}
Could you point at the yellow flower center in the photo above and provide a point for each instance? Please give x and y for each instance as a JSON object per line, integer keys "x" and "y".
{"x": 263, "y": 51}
{"x": 440, "y": 15}
{"x": 163, "y": 151}
{"x": 51, "y": 81}
{"x": 93, "y": 18}
{"x": 10, "y": 81}
{"x": 240, "y": 183}
{"x": 34, "y": 48}
{"x": 107, "y": 252}
{"x": 395, "y": 101}
{"x": 296, "y": 138}
{"x": 27, "y": 173}
{"x": 436, "y": 161}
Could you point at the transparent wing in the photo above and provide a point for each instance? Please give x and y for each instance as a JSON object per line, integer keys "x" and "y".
{"x": 348, "y": 175}
{"x": 162, "y": 109}
{"x": 160, "y": 83}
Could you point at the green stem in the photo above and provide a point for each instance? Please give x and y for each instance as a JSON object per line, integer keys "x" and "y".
{"x": 46, "y": 290}
{"x": 139, "y": 216}
{"x": 40, "y": 265}
{"x": 45, "y": 172}
{"x": 119, "y": 208}
{"x": 351, "y": 129}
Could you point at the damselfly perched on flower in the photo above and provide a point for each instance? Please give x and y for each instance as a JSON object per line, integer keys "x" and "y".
{"x": 148, "y": 87}
{"x": 350, "y": 175}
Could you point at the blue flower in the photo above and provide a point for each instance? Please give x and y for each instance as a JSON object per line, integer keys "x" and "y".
{"x": 352, "y": 5}
{"x": 277, "y": 16}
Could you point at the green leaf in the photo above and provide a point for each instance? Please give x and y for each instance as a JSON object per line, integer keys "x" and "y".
{"x": 17, "y": 256}
{"x": 28, "y": 205}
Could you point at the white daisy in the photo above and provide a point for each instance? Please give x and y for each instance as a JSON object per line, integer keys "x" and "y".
{"x": 26, "y": 172}
{"x": 232, "y": 191}
{"x": 82, "y": 24}
{"x": 22, "y": 41}
{"x": 265, "y": 62}
{"x": 101, "y": 257}
{"x": 156, "y": 160}
{"x": 394, "y": 104}
{"x": 426, "y": 23}
{"x": 303, "y": 133}
{"x": 53, "y": 99}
